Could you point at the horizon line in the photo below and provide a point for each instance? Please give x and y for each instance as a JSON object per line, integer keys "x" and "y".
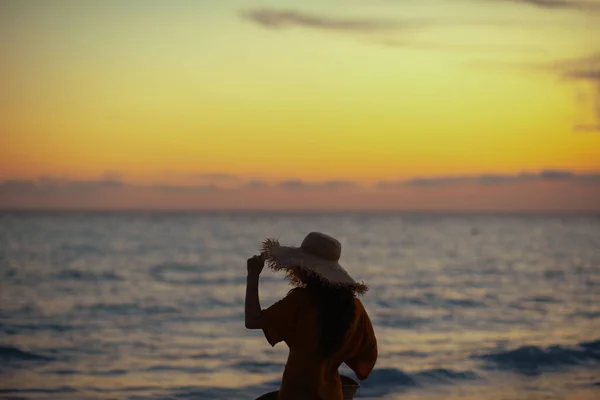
{"x": 199, "y": 211}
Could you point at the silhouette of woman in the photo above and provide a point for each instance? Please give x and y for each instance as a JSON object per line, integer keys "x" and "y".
{"x": 321, "y": 320}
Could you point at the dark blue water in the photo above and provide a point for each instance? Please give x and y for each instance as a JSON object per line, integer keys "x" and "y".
{"x": 150, "y": 306}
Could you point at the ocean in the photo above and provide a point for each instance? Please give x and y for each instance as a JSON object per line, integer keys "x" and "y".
{"x": 150, "y": 305}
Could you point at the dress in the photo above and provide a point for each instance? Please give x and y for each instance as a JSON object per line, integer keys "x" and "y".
{"x": 307, "y": 376}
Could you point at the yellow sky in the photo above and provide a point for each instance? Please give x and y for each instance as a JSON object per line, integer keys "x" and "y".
{"x": 314, "y": 90}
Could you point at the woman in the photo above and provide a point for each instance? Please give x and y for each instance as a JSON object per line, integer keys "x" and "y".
{"x": 321, "y": 320}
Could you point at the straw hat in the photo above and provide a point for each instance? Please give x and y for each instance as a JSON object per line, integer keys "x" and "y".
{"x": 318, "y": 255}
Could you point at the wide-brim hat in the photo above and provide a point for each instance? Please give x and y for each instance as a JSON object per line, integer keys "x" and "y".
{"x": 318, "y": 256}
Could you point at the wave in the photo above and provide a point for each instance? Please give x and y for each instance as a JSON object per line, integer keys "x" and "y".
{"x": 58, "y": 390}
{"x": 385, "y": 381}
{"x": 543, "y": 299}
{"x": 430, "y": 300}
{"x": 81, "y": 249}
{"x": 195, "y": 275}
{"x": 87, "y": 276}
{"x": 532, "y": 360}
{"x": 442, "y": 375}
{"x": 398, "y": 301}
{"x": 17, "y": 329}
{"x": 257, "y": 367}
{"x": 124, "y": 389}
{"x": 175, "y": 273}
{"x": 7, "y": 273}
{"x": 585, "y": 314}
{"x": 11, "y": 353}
{"x": 466, "y": 303}
{"x": 209, "y": 355}
{"x": 215, "y": 392}
{"x": 181, "y": 369}
{"x": 409, "y": 354}
{"x": 401, "y": 322}
{"x": 126, "y": 309}
{"x": 121, "y": 372}
{"x": 110, "y": 372}
{"x": 382, "y": 382}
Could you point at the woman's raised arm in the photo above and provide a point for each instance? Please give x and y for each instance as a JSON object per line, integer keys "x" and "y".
{"x": 252, "y": 307}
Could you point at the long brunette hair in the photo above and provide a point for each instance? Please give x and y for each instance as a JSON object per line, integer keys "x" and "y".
{"x": 336, "y": 314}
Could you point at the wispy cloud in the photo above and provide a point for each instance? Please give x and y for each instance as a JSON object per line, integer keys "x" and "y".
{"x": 179, "y": 188}
{"x": 381, "y": 31}
{"x": 587, "y": 128}
{"x": 462, "y": 47}
{"x": 73, "y": 188}
{"x": 217, "y": 176}
{"x": 64, "y": 185}
{"x": 586, "y": 69}
{"x": 297, "y": 184}
{"x": 535, "y": 191}
{"x": 60, "y": 183}
{"x": 49, "y": 184}
{"x": 584, "y": 5}
{"x": 281, "y": 19}
{"x": 256, "y": 184}
{"x": 114, "y": 176}
{"x": 493, "y": 179}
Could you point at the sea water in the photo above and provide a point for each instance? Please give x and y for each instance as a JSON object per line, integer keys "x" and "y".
{"x": 151, "y": 305}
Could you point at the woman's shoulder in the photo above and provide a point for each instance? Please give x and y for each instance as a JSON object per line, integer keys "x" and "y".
{"x": 298, "y": 294}
{"x": 298, "y": 291}
{"x": 359, "y": 305}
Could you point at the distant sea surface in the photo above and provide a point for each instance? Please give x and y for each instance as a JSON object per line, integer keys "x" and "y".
{"x": 151, "y": 305}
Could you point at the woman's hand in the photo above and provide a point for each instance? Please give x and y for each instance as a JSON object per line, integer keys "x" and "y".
{"x": 255, "y": 265}
{"x": 252, "y": 307}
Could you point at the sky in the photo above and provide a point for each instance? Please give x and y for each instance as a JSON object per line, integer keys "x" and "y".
{"x": 288, "y": 104}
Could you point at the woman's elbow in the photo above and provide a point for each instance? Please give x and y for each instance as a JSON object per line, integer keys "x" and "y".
{"x": 252, "y": 323}
{"x": 363, "y": 373}
{"x": 364, "y": 369}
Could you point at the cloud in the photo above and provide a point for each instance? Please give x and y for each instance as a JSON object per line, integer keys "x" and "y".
{"x": 281, "y": 19}
{"x": 297, "y": 184}
{"x": 493, "y": 179}
{"x": 535, "y": 192}
{"x": 584, "y": 69}
{"x": 60, "y": 183}
{"x": 114, "y": 176}
{"x": 338, "y": 184}
{"x": 275, "y": 19}
{"x": 256, "y": 184}
{"x": 294, "y": 184}
{"x": 180, "y": 188}
{"x": 590, "y": 75}
{"x": 17, "y": 185}
{"x": 217, "y": 176}
{"x": 461, "y": 47}
{"x": 46, "y": 184}
{"x": 65, "y": 185}
{"x": 587, "y": 128}
{"x": 583, "y": 5}
{"x": 552, "y": 174}
{"x": 48, "y": 192}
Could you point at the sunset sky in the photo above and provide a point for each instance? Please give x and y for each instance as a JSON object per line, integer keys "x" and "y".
{"x": 389, "y": 104}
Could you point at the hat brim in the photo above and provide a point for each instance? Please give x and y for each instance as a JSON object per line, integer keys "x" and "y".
{"x": 287, "y": 258}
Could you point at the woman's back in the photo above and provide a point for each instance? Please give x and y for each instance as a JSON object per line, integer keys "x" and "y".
{"x": 308, "y": 374}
